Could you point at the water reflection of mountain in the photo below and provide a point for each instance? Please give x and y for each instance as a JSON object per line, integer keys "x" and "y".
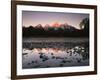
{"x": 55, "y": 57}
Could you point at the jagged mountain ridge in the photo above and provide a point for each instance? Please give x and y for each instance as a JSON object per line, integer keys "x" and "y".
{"x": 56, "y": 30}
{"x": 54, "y": 27}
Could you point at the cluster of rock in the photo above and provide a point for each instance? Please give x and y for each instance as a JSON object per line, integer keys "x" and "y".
{"x": 55, "y": 57}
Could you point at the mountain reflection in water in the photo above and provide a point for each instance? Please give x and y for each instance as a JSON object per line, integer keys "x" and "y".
{"x": 55, "y": 57}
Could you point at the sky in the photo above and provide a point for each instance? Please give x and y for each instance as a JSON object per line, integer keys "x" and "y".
{"x": 36, "y": 17}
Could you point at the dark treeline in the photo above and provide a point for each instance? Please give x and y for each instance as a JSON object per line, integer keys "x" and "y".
{"x": 34, "y": 32}
{"x": 63, "y": 31}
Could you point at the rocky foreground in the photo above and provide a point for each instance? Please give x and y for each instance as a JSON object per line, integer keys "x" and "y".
{"x": 55, "y": 57}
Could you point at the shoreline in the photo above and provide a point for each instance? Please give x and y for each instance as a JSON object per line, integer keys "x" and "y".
{"x": 55, "y": 40}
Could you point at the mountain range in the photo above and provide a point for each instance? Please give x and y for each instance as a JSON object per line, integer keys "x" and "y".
{"x": 55, "y": 30}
